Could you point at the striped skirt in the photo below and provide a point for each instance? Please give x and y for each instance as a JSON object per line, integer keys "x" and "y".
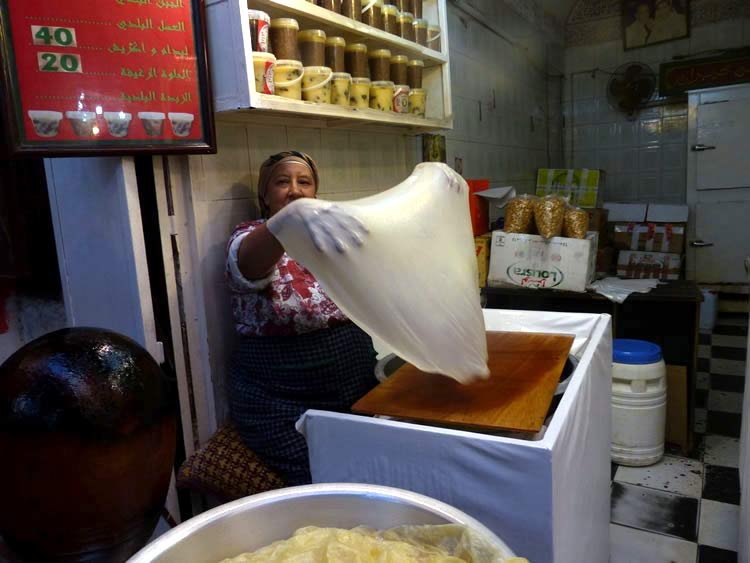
{"x": 275, "y": 379}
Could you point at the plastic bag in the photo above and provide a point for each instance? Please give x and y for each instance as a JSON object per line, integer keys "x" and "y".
{"x": 519, "y": 214}
{"x": 576, "y": 223}
{"x": 549, "y": 215}
{"x": 412, "y": 281}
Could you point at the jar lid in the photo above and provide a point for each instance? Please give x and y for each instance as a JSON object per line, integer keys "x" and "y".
{"x": 353, "y": 47}
{"x": 417, "y": 91}
{"x": 405, "y": 16}
{"x": 421, "y": 23}
{"x": 264, "y": 56}
{"x": 341, "y": 76}
{"x": 635, "y": 352}
{"x": 382, "y": 84}
{"x": 317, "y": 70}
{"x": 336, "y": 41}
{"x": 380, "y": 54}
{"x": 288, "y": 62}
{"x": 360, "y": 80}
{"x": 390, "y": 9}
{"x": 433, "y": 27}
{"x": 284, "y": 22}
{"x": 402, "y": 87}
{"x": 258, "y": 15}
{"x": 416, "y": 62}
{"x": 314, "y": 35}
{"x": 399, "y": 59}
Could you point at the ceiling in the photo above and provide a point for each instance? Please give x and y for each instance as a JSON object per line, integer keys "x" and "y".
{"x": 559, "y": 8}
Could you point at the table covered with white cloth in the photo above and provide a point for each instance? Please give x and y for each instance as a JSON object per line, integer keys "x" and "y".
{"x": 547, "y": 499}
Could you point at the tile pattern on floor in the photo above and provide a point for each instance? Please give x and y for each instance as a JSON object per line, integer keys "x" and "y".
{"x": 686, "y": 510}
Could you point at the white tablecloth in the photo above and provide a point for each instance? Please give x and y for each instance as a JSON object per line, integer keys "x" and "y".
{"x": 547, "y": 499}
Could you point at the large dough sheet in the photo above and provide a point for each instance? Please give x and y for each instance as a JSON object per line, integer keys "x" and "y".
{"x": 413, "y": 283}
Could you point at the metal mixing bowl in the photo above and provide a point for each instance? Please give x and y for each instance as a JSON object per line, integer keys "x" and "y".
{"x": 254, "y": 522}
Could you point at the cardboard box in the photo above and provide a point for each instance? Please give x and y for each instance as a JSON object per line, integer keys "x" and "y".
{"x": 482, "y": 248}
{"x": 479, "y": 207}
{"x": 650, "y": 237}
{"x": 534, "y": 262}
{"x": 659, "y": 213}
{"x": 605, "y": 262}
{"x": 598, "y": 222}
{"x": 677, "y": 431}
{"x": 648, "y": 265}
{"x": 626, "y": 212}
{"x": 580, "y": 186}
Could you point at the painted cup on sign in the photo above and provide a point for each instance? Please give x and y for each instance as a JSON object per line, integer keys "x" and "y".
{"x": 83, "y": 123}
{"x": 46, "y": 123}
{"x": 264, "y": 65}
{"x": 181, "y": 123}
{"x": 118, "y": 122}
{"x": 153, "y": 122}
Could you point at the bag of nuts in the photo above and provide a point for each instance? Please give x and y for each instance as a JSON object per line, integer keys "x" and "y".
{"x": 519, "y": 214}
{"x": 549, "y": 214}
{"x": 576, "y": 223}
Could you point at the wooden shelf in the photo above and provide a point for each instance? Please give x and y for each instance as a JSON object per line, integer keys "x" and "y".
{"x": 311, "y": 16}
{"x": 334, "y": 116}
{"x": 233, "y": 80}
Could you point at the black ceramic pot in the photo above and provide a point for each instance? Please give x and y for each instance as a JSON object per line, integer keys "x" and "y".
{"x": 87, "y": 435}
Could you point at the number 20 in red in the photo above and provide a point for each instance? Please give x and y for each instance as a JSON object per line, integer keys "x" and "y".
{"x": 59, "y": 62}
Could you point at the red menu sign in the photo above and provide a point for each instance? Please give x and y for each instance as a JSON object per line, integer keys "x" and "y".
{"x": 117, "y": 74}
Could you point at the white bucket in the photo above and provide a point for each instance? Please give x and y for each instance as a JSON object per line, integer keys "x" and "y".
{"x": 639, "y": 412}
{"x": 709, "y": 310}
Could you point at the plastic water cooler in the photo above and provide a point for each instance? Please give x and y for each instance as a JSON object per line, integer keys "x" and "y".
{"x": 639, "y": 403}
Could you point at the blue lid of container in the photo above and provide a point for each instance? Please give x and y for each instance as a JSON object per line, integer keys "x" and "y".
{"x": 635, "y": 352}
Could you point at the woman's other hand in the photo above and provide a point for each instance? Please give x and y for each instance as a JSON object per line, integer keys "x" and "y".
{"x": 330, "y": 226}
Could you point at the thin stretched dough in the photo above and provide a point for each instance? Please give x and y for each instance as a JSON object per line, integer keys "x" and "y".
{"x": 413, "y": 282}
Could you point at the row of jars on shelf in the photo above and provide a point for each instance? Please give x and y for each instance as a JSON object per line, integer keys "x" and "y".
{"x": 285, "y": 30}
{"x": 320, "y": 84}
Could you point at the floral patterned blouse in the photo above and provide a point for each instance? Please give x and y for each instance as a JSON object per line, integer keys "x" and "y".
{"x": 289, "y": 301}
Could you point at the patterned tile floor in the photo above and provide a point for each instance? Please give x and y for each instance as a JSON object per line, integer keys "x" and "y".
{"x": 686, "y": 510}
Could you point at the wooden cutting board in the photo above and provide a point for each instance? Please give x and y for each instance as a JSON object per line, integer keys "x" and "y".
{"x": 524, "y": 371}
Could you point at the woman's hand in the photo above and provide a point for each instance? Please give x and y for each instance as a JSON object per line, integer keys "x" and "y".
{"x": 330, "y": 226}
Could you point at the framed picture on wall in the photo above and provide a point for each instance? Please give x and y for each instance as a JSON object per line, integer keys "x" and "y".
{"x": 648, "y": 22}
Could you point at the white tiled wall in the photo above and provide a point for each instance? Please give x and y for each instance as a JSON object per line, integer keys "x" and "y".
{"x": 505, "y": 108}
{"x": 645, "y": 159}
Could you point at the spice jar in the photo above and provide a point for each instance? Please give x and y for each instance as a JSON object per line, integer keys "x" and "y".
{"x": 352, "y": 9}
{"x": 316, "y": 84}
{"x": 400, "y": 99}
{"x": 416, "y": 8}
{"x": 287, "y": 79}
{"x": 359, "y": 95}
{"x": 259, "y": 23}
{"x": 406, "y": 25}
{"x": 312, "y": 47}
{"x": 372, "y": 13}
{"x": 333, "y": 5}
{"x": 355, "y": 56}
{"x": 390, "y": 16}
{"x": 381, "y": 95}
{"x": 284, "y": 38}
{"x": 414, "y": 72}
{"x": 341, "y": 84}
{"x": 433, "y": 37}
{"x": 420, "y": 32}
{"x": 417, "y": 101}
{"x": 380, "y": 64}
{"x": 263, "y": 67}
{"x": 335, "y": 47}
{"x": 398, "y": 69}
